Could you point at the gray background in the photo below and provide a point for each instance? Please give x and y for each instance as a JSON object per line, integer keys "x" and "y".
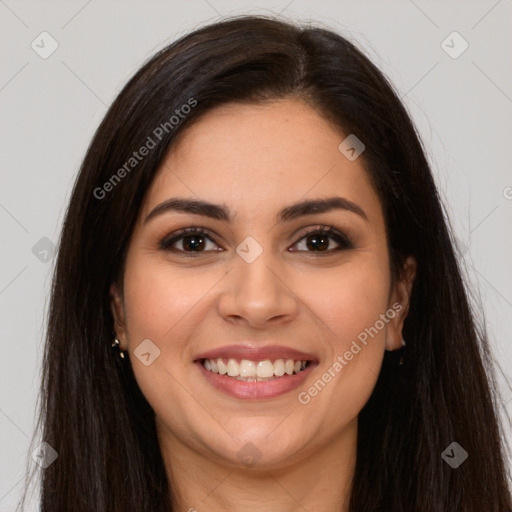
{"x": 51, "y": 107}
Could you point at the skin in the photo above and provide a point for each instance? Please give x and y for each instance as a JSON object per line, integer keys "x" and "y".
{"x": 256, "y": 160}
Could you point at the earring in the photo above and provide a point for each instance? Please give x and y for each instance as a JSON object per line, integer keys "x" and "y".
{"x": 402, "y": 354}
{"x": 116, "y": 346}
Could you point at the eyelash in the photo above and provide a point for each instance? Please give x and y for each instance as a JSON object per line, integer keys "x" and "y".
{"x": 341, "y": 239}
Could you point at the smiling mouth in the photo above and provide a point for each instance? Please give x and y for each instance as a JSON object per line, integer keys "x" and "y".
{"x": 255, "y": 371}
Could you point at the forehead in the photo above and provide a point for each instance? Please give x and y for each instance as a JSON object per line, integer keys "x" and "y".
{"x": 257, "y": 157}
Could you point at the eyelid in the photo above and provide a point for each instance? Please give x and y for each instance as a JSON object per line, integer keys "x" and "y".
{"x": 319, "y": 228}
{"x": 345, "y": 241}
{"x": 168, "y": 241}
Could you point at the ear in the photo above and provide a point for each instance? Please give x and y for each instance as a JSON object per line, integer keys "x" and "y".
{"x": 117, "y": 308}
{"x": 399, "y": 302}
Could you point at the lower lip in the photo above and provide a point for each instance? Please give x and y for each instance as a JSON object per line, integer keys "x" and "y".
{"x": 256, "y": 390}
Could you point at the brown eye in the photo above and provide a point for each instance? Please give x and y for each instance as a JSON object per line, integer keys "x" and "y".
{"x": 317, "y": 242}
{"x": 192, "y": 241}
{"x": 321, "y": 241}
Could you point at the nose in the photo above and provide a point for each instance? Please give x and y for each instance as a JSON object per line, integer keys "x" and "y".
{"x": 257, "y": 294}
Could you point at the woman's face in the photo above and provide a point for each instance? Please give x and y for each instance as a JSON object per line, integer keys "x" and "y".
{"x": 259, "y": 282}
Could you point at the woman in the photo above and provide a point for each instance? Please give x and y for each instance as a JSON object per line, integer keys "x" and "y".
{"x": 253, "y": 234}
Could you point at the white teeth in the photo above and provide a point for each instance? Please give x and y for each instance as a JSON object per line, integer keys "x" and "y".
{"x": 233, "y": 369}
{"x": 265, "y": 369}
{"x": 279, "y": 368}
{"x": 221, "y": 366}
{"x": 248, "y": 370}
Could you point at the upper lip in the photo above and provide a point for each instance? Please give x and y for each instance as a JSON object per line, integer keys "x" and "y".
{"x": 256, "y": 353}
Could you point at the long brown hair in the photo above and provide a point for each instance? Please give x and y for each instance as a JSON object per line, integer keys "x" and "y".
{"x": 93, "y": 412}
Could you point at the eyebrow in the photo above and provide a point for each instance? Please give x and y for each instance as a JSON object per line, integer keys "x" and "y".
{"x": 219, "y": 212}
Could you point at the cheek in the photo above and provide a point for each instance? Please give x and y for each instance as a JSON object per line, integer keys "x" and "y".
{"x": 162, "y": 305}
{"x": 162, "y": 301}
{"x": 159, "y": 299}
{"x": 351, "y": 305}
{"x": 350, "y": 299}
